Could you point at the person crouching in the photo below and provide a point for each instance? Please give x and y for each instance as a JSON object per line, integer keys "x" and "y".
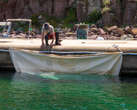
{"x": 49, "y": 34}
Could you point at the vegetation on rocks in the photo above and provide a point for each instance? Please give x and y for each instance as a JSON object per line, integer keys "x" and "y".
{"x": 94, "y": 16}
{"x": 106, "y": 7}
{"x": 106, "y": 2}
{"x": 5, "y": 1}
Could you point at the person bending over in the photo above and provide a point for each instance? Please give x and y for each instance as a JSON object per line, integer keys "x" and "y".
{"x": 49, "y": 34}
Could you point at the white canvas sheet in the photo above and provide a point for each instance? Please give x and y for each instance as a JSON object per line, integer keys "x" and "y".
{"x": 36, "y": 63}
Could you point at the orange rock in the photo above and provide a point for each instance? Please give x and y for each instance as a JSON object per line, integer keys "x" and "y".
{"x": 134, "y": 30}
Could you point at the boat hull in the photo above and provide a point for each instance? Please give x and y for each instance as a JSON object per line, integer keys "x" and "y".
{"x": 129, "y": 63}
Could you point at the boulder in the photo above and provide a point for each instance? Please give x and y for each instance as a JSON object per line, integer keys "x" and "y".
{"x": 118, "y": 31}
{"x": 134, "y": 31}
{"x": 102, "y": 32}
{"x": 94, "y": 30}
{"x": 128, "y": 30}
{"x": 127, "y": 37}
{"x": 111, "y": 28}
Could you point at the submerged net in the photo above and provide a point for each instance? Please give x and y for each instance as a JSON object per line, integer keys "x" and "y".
{"x": 37, "y": 63}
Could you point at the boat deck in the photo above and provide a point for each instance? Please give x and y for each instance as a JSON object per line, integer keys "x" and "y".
{"x": 72, "y": 45}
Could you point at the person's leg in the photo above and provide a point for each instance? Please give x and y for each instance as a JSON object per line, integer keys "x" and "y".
{"x": 46, "y": 39}
{"x": 57, "y": 38}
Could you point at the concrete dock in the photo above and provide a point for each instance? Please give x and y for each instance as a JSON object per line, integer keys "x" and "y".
{"x": 129, "y": 64}
{"x": 72, "y": 45}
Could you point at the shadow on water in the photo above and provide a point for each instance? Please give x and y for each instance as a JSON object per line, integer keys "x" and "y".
{"x": 128, "y": 78}
{"x": 77, "y": 78}
{"x": 12, "y": 75}
{"x": 7, "y": 75}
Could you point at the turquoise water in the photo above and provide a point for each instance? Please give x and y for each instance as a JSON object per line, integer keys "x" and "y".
{"x": 67, "y": 92}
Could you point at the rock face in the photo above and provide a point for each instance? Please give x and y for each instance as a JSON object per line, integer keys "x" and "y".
{"x": 26, "y": 8}
{"x": 94, "y": 5}
{"x": 130, "y": 12}
{"x": 122, "y": 11}
{"x": 85, "y": 7}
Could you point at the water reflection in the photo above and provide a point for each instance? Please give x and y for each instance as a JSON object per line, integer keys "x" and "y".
{"x": 67, "y": 77}
{"x": 14, "y": 76}
{"x": 70, "y": 92}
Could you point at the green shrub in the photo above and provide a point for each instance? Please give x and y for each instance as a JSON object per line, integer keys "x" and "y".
{"x": 68, "y": 21}
{"x": 70, "y": 18}
{"x": 1, "y": 29}
{"x": 20, "y": 26}
{"x": 5, "y": 1}
{"x": 51, "y": 19}
{"x": 94, "y": 16}
{"x": 35, "y": 21}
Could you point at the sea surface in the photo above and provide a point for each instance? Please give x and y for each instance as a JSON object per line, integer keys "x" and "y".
{"x": 22, "y": 91}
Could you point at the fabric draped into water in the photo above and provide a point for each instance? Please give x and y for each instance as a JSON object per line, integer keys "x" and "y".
{"x": 37, "y": 63}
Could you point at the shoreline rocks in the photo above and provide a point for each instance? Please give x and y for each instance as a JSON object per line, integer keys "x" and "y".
{"x": 94, "y": 33}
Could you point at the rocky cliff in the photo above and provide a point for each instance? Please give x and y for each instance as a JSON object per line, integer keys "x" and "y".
{"x": 113, "y": 11}
{"x": 121, "y": 12}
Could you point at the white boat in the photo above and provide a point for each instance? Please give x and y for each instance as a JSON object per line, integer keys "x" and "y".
{"x": 39, "y": 63}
